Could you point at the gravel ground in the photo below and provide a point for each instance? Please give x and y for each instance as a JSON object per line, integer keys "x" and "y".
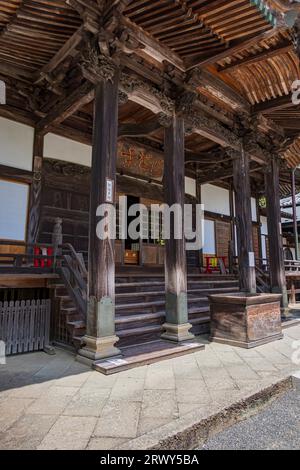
{"x": 276, "y": 428}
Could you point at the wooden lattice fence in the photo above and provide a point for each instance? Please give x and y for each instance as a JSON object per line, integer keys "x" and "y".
{"x": 25, "y": 325}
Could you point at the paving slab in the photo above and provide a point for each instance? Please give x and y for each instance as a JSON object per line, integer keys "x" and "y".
{"x": 169, "y": 404}
{"x": 69, "y": 433}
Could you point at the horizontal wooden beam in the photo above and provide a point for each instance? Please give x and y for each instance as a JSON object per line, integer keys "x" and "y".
{"x": 273, "y": 105}
{"x": 138, "y": 130}
{"x": 67, "y": 49}
{"x": 218, "y": 175}
{"x": 218, "y": 88}
{"x": 21, "y": 176}
{"x": 64, "y": 109}
{"x": 152, "y": 47}
{"x": 17, "y": 115}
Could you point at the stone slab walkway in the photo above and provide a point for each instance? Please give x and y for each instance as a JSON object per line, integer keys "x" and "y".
{"x": 53, "y": 402}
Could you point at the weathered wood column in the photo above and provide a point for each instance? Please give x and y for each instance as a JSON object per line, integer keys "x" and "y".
{"x": 242, "y": 189}
{"x": 295, "y": 216}
{"x": 277, "y": 270}
{"x": 177, "y": 326}
{"x": 100, "y": 338}
{"x": 34, "y": 213}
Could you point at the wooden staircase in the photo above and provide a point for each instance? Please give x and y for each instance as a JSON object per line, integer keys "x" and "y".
{"x": 140, "y": 306}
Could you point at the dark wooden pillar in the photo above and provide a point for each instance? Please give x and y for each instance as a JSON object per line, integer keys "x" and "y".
{"x": 199, "y": 202}
{"x": 100, "y": 338}
{"x": 295, "y": 218}
{"x": 241, "y": 182}
{"x": 34, "y": 213}
{"x": 232, "y": 243}
{"x": 277, "y": 270}
{"x": 176, "y": 326}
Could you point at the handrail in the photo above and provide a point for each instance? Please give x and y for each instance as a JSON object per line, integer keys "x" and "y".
{"x": 74, "y": 274}
{"x": 29, "y": 259}
{"x": 292, "y": 265}
{"x": 262, "y": 280}
{"x": 78, "y": 257}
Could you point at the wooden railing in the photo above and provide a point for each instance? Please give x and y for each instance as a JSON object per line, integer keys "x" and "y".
{"x": 74, "y": 274}
{"x": 64, "y": 260}
{"x": 292, "y": 266}
{"x": 261, "y": 270}
{"x": 25, "y": 257}
{"x": 263, "y": 281}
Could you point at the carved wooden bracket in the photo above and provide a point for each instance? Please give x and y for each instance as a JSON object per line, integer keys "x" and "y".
{"x": 212, "y": 129}
{"x": 146, "y": 95}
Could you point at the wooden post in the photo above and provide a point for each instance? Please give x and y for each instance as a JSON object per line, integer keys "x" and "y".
{"x": 199, "y": 201}
{"x": 232, "y": 243}
{"x": 57, "y": 241}
{"x": 100, "y": 339}
{"x": 277, "y": 270}
{"x": 295, "y": 218}
{"x": 176, "y": 326}
{"x": 261, "y": 265}
{"x": 34, "y": 213}
{"x": 241, "y": 182}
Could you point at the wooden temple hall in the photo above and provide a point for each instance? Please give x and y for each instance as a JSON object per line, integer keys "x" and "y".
{"x": 169, "y": 101}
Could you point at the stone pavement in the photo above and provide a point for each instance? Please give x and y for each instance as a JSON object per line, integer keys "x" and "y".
{"x": 53, "y": 402}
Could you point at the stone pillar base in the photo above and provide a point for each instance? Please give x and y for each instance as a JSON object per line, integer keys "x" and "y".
{"x": 177, "y": 333}
{"x": 97, "y": 349}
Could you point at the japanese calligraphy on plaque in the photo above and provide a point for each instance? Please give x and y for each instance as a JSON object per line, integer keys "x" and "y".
{"x": 139, "y": 161}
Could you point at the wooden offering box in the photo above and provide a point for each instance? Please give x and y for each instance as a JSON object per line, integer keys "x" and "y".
{"x": 245, "y": 320}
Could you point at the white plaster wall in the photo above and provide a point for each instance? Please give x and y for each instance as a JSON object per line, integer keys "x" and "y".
{"x": 13, "y": 210}
{"x": 16, "y": 144}
{"x": 253, "y": 209}
{"x": 61, "y": 148}
{"x": 190, "y": 186}
{"x": 264, "y": 234}
{"x": 209, "y": 245}
{"x": 215, "y": 199}
{"x": 264, "y": 225}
